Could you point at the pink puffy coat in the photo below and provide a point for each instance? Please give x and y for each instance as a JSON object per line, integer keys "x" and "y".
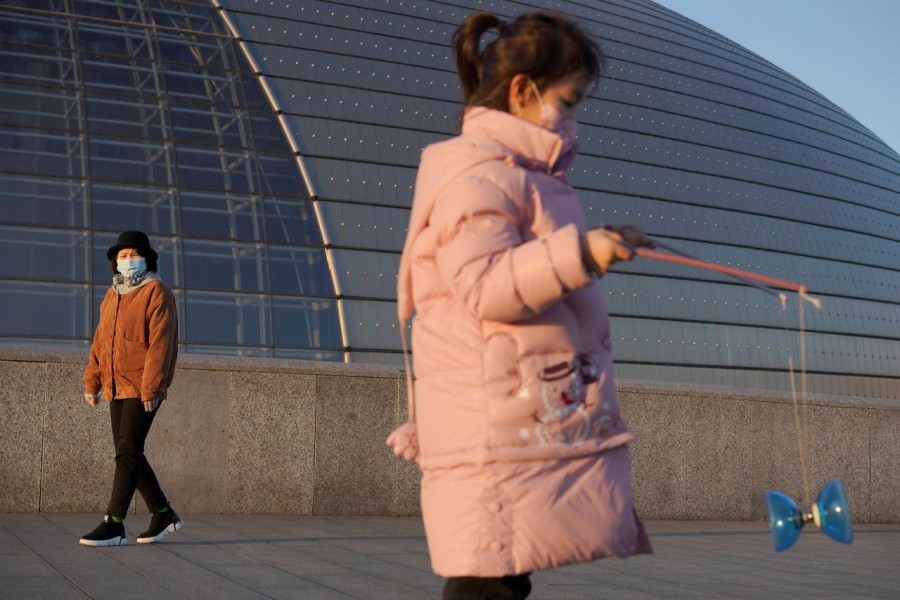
{"x": 522, "y": 447}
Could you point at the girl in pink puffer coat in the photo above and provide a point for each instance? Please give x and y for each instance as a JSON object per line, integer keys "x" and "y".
{"x": 520, "y": 440}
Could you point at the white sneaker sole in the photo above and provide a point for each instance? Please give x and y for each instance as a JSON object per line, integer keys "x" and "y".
{"x": 116, "y": 541}
{"x": 170, "y": 529}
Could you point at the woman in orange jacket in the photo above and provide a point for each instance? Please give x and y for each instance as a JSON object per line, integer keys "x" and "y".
{"x": 131, "y": 366}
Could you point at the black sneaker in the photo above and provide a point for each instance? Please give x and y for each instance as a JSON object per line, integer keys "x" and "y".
{"x": 107, "y": 533}
{"x": 161, "y": 525}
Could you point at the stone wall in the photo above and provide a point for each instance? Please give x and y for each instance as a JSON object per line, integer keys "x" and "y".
{"x": 263, "y": 436}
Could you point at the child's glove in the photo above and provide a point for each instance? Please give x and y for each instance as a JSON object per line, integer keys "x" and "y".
{"x": 404, "y": 441}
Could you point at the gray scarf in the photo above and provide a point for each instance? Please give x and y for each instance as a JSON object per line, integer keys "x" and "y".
{"x": 125, "y": 285}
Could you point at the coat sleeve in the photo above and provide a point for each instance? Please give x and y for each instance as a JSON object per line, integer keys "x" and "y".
{"x": 162, "y": 324}
{"x": 92, "y": 378}
{"x": 486, "y": 264}
{"x": 91, "y": 375}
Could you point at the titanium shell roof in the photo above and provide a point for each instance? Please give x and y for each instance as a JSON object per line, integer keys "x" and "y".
{"x": 270, "y": 147}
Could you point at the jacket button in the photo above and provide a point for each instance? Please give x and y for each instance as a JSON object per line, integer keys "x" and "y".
{"x": 494, "y": 507}
{"x": 607, "y": 342}
{"x": 496, "y": 546}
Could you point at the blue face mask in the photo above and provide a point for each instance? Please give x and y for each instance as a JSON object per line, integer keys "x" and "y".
{"x": 132, "y": 267}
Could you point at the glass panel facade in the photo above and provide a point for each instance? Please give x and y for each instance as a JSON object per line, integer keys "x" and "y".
{"x": 120, "y": 115}
{"x": 275, "y": 174}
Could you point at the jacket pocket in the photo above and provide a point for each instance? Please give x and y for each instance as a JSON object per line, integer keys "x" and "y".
{"x": 555, "y": 401}
{"x": 500, "y": 359}
{"x": 130, "y": 357}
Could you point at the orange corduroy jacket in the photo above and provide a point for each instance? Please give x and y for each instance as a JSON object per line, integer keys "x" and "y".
{"x": 135, "y": 345}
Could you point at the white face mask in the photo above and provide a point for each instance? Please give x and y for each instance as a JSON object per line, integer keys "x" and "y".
{"x": 132, "y": 267}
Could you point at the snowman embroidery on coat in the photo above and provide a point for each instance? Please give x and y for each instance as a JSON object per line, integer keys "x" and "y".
{"x": 563, "y": 394}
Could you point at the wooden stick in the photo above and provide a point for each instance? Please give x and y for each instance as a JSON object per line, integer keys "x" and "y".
{"x": 739, "y": 273}
{"x": 759, "y": 286}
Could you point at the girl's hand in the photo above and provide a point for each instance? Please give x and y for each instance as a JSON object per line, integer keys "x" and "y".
{"x": 150, "y": 405}
{"x": 602, "y": 248}
{"x": 633, "y": 235}
{"x": 91, "y": 399}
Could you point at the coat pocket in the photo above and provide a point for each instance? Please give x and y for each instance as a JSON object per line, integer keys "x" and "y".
{"x": 500, "y": 359}
{"x": 552, "y": 402}
{"x": 130, "y": 358}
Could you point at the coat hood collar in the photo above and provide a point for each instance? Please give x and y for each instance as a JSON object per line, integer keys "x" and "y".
{"x": 498, "y": 135}
{"x": 532, "y": 146}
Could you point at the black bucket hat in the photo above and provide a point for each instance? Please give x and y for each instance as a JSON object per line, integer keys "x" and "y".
{"x": 132, "y": 239}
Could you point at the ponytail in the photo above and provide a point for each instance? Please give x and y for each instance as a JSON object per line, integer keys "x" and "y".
{"x": 543, "y": 45}
{"x": 466, "y": 41}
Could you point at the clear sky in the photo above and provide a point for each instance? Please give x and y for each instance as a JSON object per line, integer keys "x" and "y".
{"x": 847, "y": 50}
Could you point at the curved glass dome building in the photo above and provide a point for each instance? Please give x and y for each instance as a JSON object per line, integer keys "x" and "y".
{"x": 269, "y": 148}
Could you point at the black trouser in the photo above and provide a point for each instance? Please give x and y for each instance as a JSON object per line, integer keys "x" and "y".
{"x": 511, "y": 587}
{"x": 130, "y": 426}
